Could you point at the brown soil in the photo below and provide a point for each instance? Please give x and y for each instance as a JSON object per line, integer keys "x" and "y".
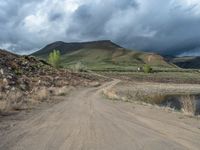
{"x": 85, "y": 120}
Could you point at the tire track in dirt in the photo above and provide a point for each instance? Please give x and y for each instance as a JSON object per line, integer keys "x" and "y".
{"x": 87, "y": 121}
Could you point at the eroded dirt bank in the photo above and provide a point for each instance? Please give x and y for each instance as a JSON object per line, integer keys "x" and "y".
{"x": 85, "y": 120}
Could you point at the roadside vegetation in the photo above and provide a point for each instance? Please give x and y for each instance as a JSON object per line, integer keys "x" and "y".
{"x": 55, "y": 58}
{"x": 78, "y": 67}
{"x": 147, "y": 68}
{"x": 184, "y": 98}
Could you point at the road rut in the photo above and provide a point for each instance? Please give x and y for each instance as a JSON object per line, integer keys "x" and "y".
{"x": 87, "y": 121}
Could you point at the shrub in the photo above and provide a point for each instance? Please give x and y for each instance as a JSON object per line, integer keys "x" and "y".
{"x": 11, "y": 101}
{"x": 147, "y": 69}
{"x": 78, "y": 67}
{"x": 41, "y": 94}
{"x": 188, "y": 104}
{"x": 54, "y": 58}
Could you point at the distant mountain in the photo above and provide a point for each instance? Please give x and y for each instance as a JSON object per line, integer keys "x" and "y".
{"x": 186, "y": 62}
{"x": 101, "y": 54}
{"x": 71, "y": 47}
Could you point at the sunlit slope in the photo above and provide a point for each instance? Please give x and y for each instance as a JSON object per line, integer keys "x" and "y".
{"x": 102, "y": 54}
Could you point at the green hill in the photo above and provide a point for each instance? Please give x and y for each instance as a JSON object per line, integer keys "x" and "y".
{"x": 102, "y": 55}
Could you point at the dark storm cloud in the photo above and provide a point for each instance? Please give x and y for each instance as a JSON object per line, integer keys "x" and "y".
{"x": 167, "y": 27}
{"x": 11, "y": 15}
{"x": 55, "y": 16}
{"x": 91, "y": 19}
{"x": 163, "y": 27}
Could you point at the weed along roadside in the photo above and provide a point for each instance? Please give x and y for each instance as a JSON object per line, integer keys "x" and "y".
{"x": 188, "y": 104}
{"x": 160, "y": 94}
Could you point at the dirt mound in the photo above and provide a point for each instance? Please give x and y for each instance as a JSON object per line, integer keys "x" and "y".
{"x": 26, "y": 72}
{"x": 24, "y": 79}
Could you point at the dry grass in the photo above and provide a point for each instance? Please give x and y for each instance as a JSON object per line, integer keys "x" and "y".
{"x": 11, "y": 101}
{"x": 153, "y": 98}
{"x": 172, "y": 96}
{"x": 111, "y": 94}
{"x": 40, "y": 94}
{"x": 3, "y": 105}
{"x": 18, "y": 100}
{"x": 78, "y": 67}
{"x": 63, "y": 91}
{"x": 188, "y": 104}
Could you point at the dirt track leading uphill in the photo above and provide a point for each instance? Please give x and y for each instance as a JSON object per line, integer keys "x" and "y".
{"x": 87, "y": 121}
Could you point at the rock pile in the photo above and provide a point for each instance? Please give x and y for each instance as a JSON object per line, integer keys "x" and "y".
{"x": 26, "y": 72}
{"x": 25, "y": 80}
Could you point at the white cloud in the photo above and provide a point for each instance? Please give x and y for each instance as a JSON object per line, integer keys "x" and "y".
{"x": 34, "y": 23}
{"x": 6, "y": 45}
{"x": 71, "y": 5}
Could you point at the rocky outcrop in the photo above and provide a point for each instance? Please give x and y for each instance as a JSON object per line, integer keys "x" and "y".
{"x": 26, "y": 72}
{"x": 26, "y": 79}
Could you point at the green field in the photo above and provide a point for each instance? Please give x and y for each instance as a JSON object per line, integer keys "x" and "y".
{"x": 191, "y": 76}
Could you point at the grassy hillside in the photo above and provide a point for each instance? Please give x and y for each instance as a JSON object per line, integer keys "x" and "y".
{"x": 71, "y": 47}
{"x": 102, "y": 55}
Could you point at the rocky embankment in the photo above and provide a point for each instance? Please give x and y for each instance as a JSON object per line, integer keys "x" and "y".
{"x": 21, "y": 77}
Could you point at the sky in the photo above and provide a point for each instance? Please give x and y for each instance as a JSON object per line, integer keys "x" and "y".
{"x": 169, "y": 27}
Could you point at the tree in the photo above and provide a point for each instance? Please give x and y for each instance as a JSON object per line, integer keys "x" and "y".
{"x": 54, "y": 58}
{"x": 147, "y": 69}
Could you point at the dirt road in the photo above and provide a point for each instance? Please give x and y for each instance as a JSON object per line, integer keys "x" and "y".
{"x": 87, "y": 121}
